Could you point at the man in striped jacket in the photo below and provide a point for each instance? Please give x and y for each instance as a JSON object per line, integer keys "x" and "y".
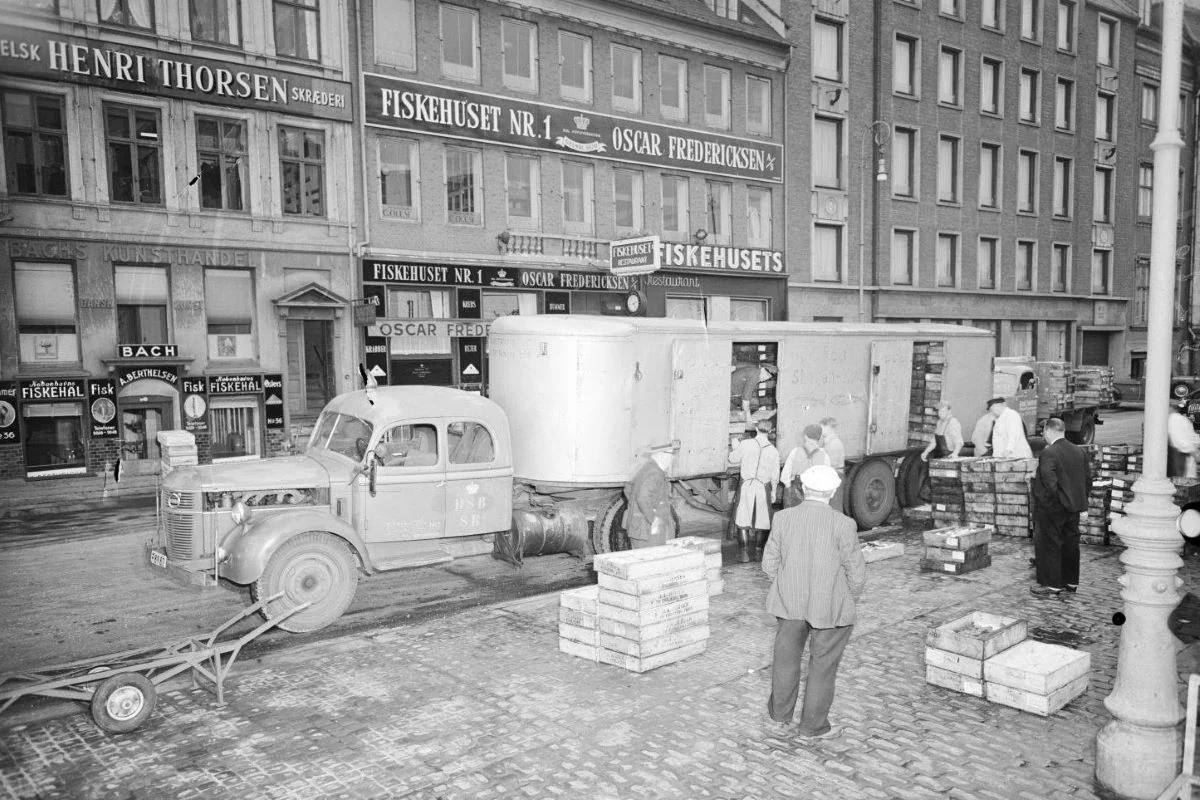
{"x": 818, "y": 573}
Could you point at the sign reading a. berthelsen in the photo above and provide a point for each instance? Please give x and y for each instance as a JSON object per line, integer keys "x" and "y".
{"x": 640, "y": 256}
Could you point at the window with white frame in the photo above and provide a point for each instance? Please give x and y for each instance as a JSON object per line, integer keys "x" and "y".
{"x": 415, "y": 303}
{"x": 1140, "y": 308}
{"x": 905, "y": 58}
{"x": 1026, "y": 264}
{"x": 725, "y": 8}
{"x": 827, "y": 152}
{"x": 507, "y": 303}
{"x": 1027, "y": 182}
{"x": 127, "y": 13}
{"x": 235, "y": 429}
{"x": 1063, "y": 193}
{"x": 904, "y": 162}
{"x": 1066, "y": 25}
{"x": 298, "y": 29}
{"x": 676, "y": 222}
{"x": 1101, "y": 271}
{"x": 992, "y": 14}
{"x": 44, "y": 298}
{"x": 827, "y": 253}
{"x": 35, "y": 143}
{"x": 519, "y": 54}
{"x": 904, "y": 256}
{"x": 1102, "y": 197}
{"x": 743, "y": 309}
{"x": 686, "y": 307}
{"x": 947, "y": 259}
{"x": 1105, "y": 113}
{"x": 134, "y": 150}
{"x": 395, "y": 33}
{"x": 989, "y": 260}
{"x": 1064, "y": 104}
{"x": 989, "y": 175}
{"x": 950, "y": 76}
{"x": 758, "y": 105}
{"x": 579, "y": 197}
{"x": 949, "y": 7}
{"x": 464, "y": 204}
{"x": 460, "y": 43}
{"x": 626, "y": 78}
{"x": 143, "y": 299}
{"x": 759, "y": 221}
{"x": 1149, "y": 104}
{"x": 991, "y": 86}
{"x": 575, "y": 66}
{"x": 719, "y": 197}
{"x": 1030, "y": 95}
{"x": 302, "y": 167}
{"x": 1106, "y": 42}
{"x": 1060, "y": 267}
{"x": 672, "y": 87}
{"x": 827, "y": 49}
{"x": 229, "y": 313}
{"x": 398, "y": 165}
{"x": 628, "y": 200}
{"x": 1031, "y": 20}
{"x": 218, "y": 21}
{"x": 716, "y": 97}
{"x": 222, "y": 153}
{"x": 524, "y": 191}
{"x": 1145, "y": 190}
{"x": 948, "y": 167}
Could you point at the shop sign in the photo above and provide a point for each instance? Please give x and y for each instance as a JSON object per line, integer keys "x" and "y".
{"x": 103, "y": 408}
{"x": 470, "y": 360}
{"x": 52, "y": 389}
{"x": 64, "y": 251}
{"x": 195, "y": 256}
{"x": 375, "y": 271}
{"x": 558, "y": 303}
{"x": 195, "y": 404}
{"x": 147, "y": 351}
{"x": 273, "y": 401}
{"x": 10, "y": 428}
{"x": 674, "y": 281}
{"x": 375, "y": 348}
{"x": 54, "y": 57}
{"x": 725, "y": 259}
{"x": 470, "y": 303}
{"x": 639, "y": 256}
{"x": 578, "y": 281}
{"x": 454, "y": 328}
{"x": 478, "y": 117}
{"x": 167, "y": 374}
{"x": 235, "y": 384}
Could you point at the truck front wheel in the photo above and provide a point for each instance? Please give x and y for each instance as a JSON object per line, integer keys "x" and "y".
{"x": 1086, "y": 433}
{"x": 872, "y": 493}
{"x": 315, "y": 568}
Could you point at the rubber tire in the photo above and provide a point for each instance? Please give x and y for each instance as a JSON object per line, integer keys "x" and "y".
{"x": 912, "y": 479}
{"x": 1086, "y": 433}
{"x": 872, "y": 493}
{"x": 123, "y": 702}
{"x": 1180, "y": 390}
{"x": 610, "y": 535}
{"x": 312, "y": 566}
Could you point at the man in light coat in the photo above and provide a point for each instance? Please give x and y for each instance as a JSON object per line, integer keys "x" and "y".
{"x": 759, "y": 463}
{"x": 1008, "y": 432}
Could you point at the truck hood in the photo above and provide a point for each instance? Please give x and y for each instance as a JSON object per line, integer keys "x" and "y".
{"x": 292, "y": 471}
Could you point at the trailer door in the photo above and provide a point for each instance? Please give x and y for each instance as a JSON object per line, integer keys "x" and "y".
{"x": 699, "y": 415}
{"x": 891, "y": 381}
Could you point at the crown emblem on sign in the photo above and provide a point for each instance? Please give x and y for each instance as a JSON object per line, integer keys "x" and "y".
{"x": 502, "y": 273}
{"x": 581, "y": 122}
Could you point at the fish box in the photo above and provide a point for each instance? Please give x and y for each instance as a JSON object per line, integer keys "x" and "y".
{"x": 634, "y": 564}
{"x": 955, "y": 567}
{"x": 1037, "y": 667}
{"x": 954, "y": 662}
{"x": 644, "y": 647}
{"x": 649, "y": 600}
{"x": 953, "y": 680}
{"x": 970, "y": 555}
{"x": 653, "y": 629}
{"x": 577, "y": 633}
{"x": 589, "y": 651}
{"x": 571, "y": 616}
{"x": 959, "y": 537}
{"x": 636, "y": 664}
{"x": 652, "y": 583}
{"x": 585, "y": 598}
{"x": 648, "y": 616}
{"x": 880, "y": 551}
{"x": 701, "y": 543}
{"x": 977, "y": 635}
{"x": 1041, "y": 704}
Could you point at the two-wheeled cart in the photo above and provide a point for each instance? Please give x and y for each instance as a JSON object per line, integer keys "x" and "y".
{"x": 121, "y": 687}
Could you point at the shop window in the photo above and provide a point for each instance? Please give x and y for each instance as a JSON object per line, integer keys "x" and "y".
{"x": 54, "y": 437}
{"x": 686, "y": 307}
{"x": 626, "y": 78}
{"x": 575, "y": 66}
{"x": 672, "y": 87}
{"x": 462, "y": 186}
{"x": 758, "y": 105}
{"x": 469, "y": 443}
{"x": 505, "y": 304}
{"x": 222, "y": 153}
{"x": 627, "y": 194}
{"x": 579, "y": 197}
{"x": 759, "y": 221}
{"x": 524, "y": 191}
{"x": 45, "y": 306}
{"x": 35, "y": 144}
{"x": 398, "y": 180}
{"x": 134, "y": 154}
{"x": 716, "y": 97}
{"x": 229, "y": 307}
{"x": 302, "y": 165}
{"x": 235, "y": 428}
{"x": 298, "y": 29}
{"x": 745, "y": 310}
{"x": 675, "y": 207}
{"x": 217, "y": 21}
{"x": 827, "y": 253}
{"x": 127, "y": 13}
{"x": 417, "y": 303}
{"x": 520, "y": 54}
{"x": 395, "y": 33}
{"x": 460, "y": 43}
{"x": 142, "y": 301}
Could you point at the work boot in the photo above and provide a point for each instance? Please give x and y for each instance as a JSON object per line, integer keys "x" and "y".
{"x": 761, "y": 545}
{"x": 743, "y": 545}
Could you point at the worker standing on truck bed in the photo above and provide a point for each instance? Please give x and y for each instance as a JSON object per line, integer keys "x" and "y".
{"x": 808, "y": 454}
{"x": 1008, "y": 432}
{"x": 744, "y": 381}
{"x": 947, "y": 435}
{"x": 649, "y": 521}
{"x": 759, "y": 462}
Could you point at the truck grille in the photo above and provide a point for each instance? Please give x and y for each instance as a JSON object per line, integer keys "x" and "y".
{"x": 181, "y": 524}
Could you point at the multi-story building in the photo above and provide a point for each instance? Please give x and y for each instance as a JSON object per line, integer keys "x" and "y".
{"x": 177, "y": 227}
{"x": 507, "y": 144}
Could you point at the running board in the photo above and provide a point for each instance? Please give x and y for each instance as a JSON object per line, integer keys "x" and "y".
{"x": 419, "y": 558}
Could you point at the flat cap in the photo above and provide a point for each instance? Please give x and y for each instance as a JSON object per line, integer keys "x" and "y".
{"x": 820, "y": 478}
{"x": 995, "y": 400}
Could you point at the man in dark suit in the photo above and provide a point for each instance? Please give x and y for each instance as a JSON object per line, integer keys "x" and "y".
{"x": 1060, "y": 491}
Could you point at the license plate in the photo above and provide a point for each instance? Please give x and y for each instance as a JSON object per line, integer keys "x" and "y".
{"x": 158, "y": 558}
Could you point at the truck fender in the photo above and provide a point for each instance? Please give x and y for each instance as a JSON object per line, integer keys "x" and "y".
{"x": 250, "y": 546}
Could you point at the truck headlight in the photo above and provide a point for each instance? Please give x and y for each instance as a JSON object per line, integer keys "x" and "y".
{"x": 241, "y": 513}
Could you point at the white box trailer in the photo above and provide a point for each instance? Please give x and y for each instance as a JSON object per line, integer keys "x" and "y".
{"x": 587, "y": 395}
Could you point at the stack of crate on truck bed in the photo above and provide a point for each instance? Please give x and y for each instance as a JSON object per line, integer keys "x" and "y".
{"x": 989, "y": 656}
{"x": 957, "y": 550}
{"x": 649, "y": 609}
{"x": 928, "y": 366}
{"x": 1055, "y": 387}
{"x": 1093, "y": 386}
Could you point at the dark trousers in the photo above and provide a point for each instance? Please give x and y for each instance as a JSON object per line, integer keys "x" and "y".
{"x": 1056, "y": 545}
{"x": 825, "y": 654}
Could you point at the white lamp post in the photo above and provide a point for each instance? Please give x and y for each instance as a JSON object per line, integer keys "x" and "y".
{"x": 880, "y": 131}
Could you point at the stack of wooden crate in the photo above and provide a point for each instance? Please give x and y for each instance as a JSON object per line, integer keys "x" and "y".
{"x": 1056, "y": 385}
{"x": 946, "y": 491}
{"x": 1094, "y": 528}
{"x": 712, "y": 559}
{"x": 928, "y": 365}
{"x": 578, "y": 622}
{"x": 176, "y": 449}
{"x": 1093, "y": 386}
{"x": 957, "y": 550}
{"x": 979, "y": 491}
{"x": 1120, "y": 494}
{"x": 1114, "y": 459}
{"x": 1010, "y": 481}
{"x": 955, "y": 652}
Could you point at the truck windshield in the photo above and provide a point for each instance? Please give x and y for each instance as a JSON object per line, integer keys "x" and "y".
{"x": 341, "y": 433}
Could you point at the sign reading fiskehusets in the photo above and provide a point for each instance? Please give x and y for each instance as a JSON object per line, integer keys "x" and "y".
{"x": 37, "y": 54}
{"x": 446, "y": 111}
{"x": 635, "y": 256}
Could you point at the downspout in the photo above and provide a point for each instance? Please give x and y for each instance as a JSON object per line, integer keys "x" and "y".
{"x": 876, "y": 113}
{"x": 357, "y": 249}
{"x": 1188, "y": 289}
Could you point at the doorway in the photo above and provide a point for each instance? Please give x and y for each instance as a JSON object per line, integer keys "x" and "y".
{"x": 141, "y": 421}
{"x": 310, "y": 365}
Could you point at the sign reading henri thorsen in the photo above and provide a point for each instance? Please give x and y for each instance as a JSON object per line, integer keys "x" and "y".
{"x": 635, "y": 256}
{"x": 445, "y": 111}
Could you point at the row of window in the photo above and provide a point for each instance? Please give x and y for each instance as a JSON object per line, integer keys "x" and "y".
{"x": 462, "y": 56}
{"x": 525, "y": 193}
{"x": 45, "y": 300}
{"x": 993, "y": 16}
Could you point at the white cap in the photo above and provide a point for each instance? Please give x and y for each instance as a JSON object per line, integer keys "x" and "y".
{"x": 820, "y": 478}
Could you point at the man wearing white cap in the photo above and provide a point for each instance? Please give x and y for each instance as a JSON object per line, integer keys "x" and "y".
{"x": 818, "y": 573}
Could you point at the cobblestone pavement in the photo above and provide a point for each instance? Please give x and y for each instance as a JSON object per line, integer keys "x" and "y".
{"x": 482, "y": 705}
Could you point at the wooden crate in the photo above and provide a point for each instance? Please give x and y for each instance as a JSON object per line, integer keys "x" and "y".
{"x": 652, "y": 584}
{"x": 955, "y": 568}
{"x": 648, "y": 561}
{"x": 647, "y": 616}
{"x": 1037, "y": 667}
{"x": 945, "y": 554}
{"x": 954, "y": 662}
{"x": 958, "y": 537}
{"x": 578, "y": 633}
{"x": 977, "y": 635}
{"x": 589, "y": 651}
{"x": 953, "y": 680}
{"x": 1041, "y": 704}
{"x": 655, "y": 599}
{"x": 645, "y": 646}
{"x": 572, "y": 616}
{"x": 585, "y": 598}
{"x": 639, "y": 665}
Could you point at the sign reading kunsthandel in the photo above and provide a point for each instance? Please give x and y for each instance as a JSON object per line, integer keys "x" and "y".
{"x": 446, "y": 111}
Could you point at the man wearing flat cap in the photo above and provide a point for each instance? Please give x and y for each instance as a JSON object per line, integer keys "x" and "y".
{"x": 1008, "y": 432}
{"x": 818, "y": 573}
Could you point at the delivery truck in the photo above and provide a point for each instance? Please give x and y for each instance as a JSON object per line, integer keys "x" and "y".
{"x": 1039, "y": 390}
{"x": 404, "y": 476}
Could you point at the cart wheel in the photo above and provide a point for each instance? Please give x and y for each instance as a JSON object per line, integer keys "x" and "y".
{"x": 123, "y": 702}
{"x": 313, "y": 567}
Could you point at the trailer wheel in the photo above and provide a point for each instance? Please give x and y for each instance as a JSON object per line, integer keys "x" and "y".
{"x": 123, "y": 702}
{"x": 912, "y": 486}
{"x": 1086, "y": 433}
{"x": 872, "y": 493}
{"x": 610, "y": 535}
{"x": 313, "y": 567}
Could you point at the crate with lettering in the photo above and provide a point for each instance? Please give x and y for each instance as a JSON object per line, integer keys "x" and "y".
{"x": 712, "y": 559}
{"x": 957, "y": 550}
{"x": 956, "y": 652}
{"x": 946, "y": 491}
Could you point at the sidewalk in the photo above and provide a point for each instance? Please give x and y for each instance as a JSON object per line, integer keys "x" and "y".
{"x": 33, "y": 498}
{"x": 482, "y": 705}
